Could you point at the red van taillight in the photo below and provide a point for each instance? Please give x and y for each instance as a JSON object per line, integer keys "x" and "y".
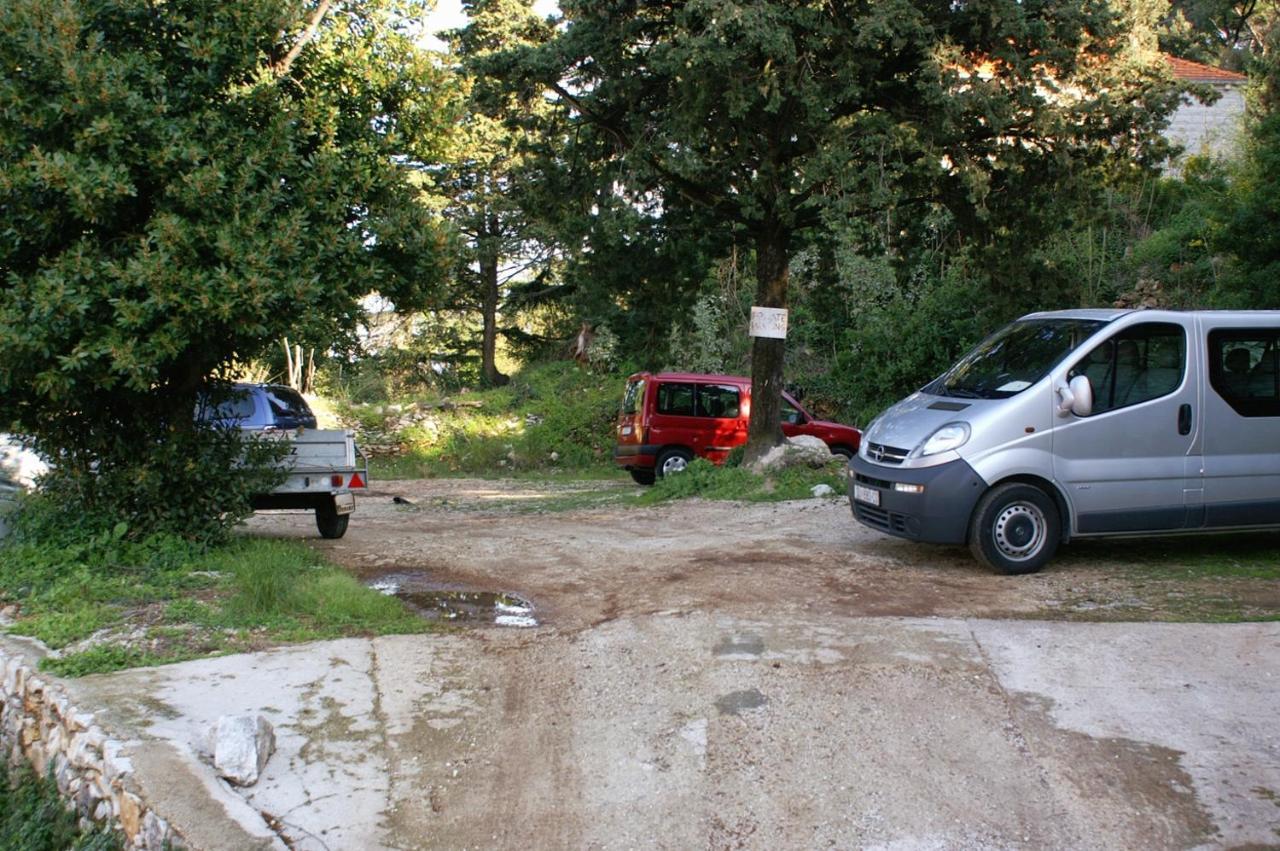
{"x": 630, "y": 431}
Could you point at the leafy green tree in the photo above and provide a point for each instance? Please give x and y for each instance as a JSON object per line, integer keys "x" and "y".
{"x": 182, "y": 184}
{"x": 771, "y": 115}
{"x": 488, "y": 170}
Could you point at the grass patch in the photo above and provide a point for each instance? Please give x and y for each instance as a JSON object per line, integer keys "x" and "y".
{"x": 33, "y": 816}
{"x": 1226, "y": 556}
{"x": 703, "y": 479}
{"x": 165, "y": 600}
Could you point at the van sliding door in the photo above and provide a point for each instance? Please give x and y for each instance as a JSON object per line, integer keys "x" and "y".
{"x": 1130, "y": 465}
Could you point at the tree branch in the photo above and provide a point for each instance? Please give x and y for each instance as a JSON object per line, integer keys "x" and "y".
{"x": 282, "y": 67}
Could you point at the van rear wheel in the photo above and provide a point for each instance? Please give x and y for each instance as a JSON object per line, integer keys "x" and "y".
{"x": 1015, "y": 529}
{"x": 643, "y": 477}
{"x": 673, "y": 460}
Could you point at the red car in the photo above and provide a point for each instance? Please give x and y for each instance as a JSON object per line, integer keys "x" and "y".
{"x": 669, "y": 418}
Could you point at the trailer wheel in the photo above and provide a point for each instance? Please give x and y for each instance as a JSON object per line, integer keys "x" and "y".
{"x": 1015, "y": 529}
{"x": 330, "y": 523}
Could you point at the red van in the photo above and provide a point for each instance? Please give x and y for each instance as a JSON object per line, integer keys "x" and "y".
{"x": 669, "y": 418}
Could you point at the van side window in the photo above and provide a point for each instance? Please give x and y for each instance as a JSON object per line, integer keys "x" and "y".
{"x": 717, "y": 400}
{"x": 1242, "y": 369}
{"x": 675, "y": 399}
{"x": 1141, "y": 363}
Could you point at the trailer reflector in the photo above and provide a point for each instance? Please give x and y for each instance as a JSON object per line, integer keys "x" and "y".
{"x": 356, "y": 481}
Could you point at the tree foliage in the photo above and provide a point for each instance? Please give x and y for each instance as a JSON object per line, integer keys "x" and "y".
{"x": 182, "y": 184}
{"x": 774, "y": 117}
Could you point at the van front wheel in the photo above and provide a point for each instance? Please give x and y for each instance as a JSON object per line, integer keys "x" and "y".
{"x": 1015, "y": 529}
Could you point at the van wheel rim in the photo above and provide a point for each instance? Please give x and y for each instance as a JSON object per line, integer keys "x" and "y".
{"x": 1019, "y": 531}
{"x": 674, "y": 464}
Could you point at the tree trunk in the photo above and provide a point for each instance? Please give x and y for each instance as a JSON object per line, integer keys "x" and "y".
{"x": 489, "y": 342}
{"x": 764, "y": 430}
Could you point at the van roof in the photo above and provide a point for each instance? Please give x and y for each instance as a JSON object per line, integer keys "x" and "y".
{"x": 701, "y": 376}
{"x": 1104, "y": 314}
{"x": 1107, "y": 315}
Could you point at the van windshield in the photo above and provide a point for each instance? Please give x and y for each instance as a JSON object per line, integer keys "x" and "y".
{"x": 1014, "y": 358}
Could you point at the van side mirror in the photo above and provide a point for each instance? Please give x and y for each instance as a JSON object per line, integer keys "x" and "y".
{"x": 1081, "y": 396}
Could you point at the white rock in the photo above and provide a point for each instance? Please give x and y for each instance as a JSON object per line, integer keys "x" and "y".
{"x": 801, "y": 450}
{"x": 822, "y": 490}
{"x": 241, "y": 746}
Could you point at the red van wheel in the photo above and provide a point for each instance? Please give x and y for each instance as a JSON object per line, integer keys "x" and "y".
{"x": 673, "y": 460}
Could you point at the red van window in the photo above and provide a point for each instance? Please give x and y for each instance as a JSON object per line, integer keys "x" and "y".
{"x": 631, "y": 398}
{"x": 676, "y": 399}
{"x": 718, "y": 400}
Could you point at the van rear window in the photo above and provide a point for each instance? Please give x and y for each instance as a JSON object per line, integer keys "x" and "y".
{"x": 632, "y": 395}
{"x": 1244, "y": 369}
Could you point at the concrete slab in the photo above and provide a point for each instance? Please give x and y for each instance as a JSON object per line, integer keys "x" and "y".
{"x": 688, "y": 729}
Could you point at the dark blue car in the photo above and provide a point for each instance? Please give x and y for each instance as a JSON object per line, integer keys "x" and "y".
{"x": 261, "y": 407}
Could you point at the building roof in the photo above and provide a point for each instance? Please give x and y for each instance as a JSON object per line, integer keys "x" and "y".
{"x": 1194, "y": 72}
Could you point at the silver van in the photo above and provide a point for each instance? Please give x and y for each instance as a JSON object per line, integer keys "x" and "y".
{"x": 1083, "y": 423}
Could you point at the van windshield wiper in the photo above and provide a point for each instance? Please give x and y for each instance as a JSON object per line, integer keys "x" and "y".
{"x": 961, "y": 392}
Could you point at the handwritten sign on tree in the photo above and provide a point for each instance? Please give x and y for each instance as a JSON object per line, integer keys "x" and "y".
{"x": 769, "y": 322}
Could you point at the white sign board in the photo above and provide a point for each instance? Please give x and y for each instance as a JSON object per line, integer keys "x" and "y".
{"x": 769, "y": 322}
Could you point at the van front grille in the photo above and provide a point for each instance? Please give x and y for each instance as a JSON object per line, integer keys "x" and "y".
{"x": 889, "y": 521}
{"x": 883, "y": 484}
{"x": 883, "y": 454}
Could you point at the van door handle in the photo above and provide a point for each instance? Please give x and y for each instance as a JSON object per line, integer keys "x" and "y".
{"x": 1184, "y": 419}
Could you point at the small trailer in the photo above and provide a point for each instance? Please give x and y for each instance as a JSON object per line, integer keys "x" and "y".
{"x": 324, "y": 467}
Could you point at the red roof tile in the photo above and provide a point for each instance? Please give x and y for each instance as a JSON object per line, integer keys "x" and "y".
{"x": 1194, "y": 72}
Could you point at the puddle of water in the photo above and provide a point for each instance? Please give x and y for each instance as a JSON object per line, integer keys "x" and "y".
{"x": 454, "y": 606}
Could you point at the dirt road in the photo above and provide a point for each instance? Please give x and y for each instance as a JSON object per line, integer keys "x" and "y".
{"x": 774, "y": 676}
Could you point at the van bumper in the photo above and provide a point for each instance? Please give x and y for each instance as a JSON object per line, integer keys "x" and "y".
{"x": 638, "y": 456}
{"x": 939, "y": 515}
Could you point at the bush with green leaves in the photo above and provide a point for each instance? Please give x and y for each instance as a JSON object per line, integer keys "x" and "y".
{"x": 183, "y": 183}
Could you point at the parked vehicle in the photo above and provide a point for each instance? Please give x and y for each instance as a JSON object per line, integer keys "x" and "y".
{"x": 1083, "y": 423}
{"x": 261, "y": 407}
{"x": 670, "y": 418}
{"x": 324, "y": 466}
{"x": 20, "y": 469}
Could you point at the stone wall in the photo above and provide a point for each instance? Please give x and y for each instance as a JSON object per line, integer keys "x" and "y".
{"x": 39, "y": 724}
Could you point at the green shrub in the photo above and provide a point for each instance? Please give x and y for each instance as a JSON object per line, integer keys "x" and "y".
{"x": 193, "y": 484}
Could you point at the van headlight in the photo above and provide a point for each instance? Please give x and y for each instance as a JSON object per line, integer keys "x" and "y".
{"x": 948, "y": 437}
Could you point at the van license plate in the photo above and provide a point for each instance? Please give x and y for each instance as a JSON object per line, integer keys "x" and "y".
{"x": 871, "y": 496}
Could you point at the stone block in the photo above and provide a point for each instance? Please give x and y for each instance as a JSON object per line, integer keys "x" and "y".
{"x": 241, "y": 745}
{"x": 130, "y": 815}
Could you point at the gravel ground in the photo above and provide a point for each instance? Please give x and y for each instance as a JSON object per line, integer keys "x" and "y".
{"x": 727, "y": 675}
